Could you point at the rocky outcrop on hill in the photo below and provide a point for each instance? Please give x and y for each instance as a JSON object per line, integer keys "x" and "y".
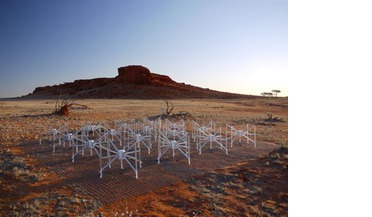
{"x": 134, "y": 74}
{"x": 161, "y": 78}
{"x": 133, "y": 81}
{"x": 140, "y": 75}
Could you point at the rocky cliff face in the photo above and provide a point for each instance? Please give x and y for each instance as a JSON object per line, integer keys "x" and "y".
{"x": 134, "y": 74}
{"x": 132, "y": 82}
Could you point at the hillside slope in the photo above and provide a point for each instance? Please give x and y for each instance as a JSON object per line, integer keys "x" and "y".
{"x": 132, "y": 82}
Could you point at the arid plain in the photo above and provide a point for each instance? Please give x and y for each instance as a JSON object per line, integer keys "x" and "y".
{"x": 248, "y": 182}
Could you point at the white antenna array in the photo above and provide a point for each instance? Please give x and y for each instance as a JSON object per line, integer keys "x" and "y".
{"x": 248, "y": 133}
{"x": 174, "y": 137}
{"x": 58, "y": 136}
{"x": 209, "y": 134}
{"x": 125, "y": 140}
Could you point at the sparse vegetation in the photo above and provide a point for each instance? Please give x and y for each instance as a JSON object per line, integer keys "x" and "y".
{"x": 266, "y": 94}
{"x": 247, "y": 188}
{"x": 15, "y": 168}
{"x": 63, "y": 107}
{"x": 54, "y": 204}
{"x": 271, "y": 118}
{"x": 275, "y": 92}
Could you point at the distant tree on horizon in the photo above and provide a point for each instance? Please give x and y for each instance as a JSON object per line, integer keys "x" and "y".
{"x": 266, "y": 94}
{"x": 275, "y": 92}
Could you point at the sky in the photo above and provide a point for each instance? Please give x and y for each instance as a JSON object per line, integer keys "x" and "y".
{"x": 238, "y": 46}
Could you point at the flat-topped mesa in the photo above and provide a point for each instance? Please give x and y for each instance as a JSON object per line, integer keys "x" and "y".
{"x": 134, "y": 74}
{"x": 134, "y": 81}
{"x": 137, "y": 74}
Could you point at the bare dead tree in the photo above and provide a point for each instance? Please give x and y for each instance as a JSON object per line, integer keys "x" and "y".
{"x": 271, "y": 118}
{"x": 62, "y": 107}
{"x": 168, "y": 109}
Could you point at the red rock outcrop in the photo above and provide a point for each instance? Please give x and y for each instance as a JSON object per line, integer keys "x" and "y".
{"x": 134, "y": 74}
{"x": 161, "y": 78}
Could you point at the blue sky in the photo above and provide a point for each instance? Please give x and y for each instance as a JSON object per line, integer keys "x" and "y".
{"x": 238, "y": 46}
